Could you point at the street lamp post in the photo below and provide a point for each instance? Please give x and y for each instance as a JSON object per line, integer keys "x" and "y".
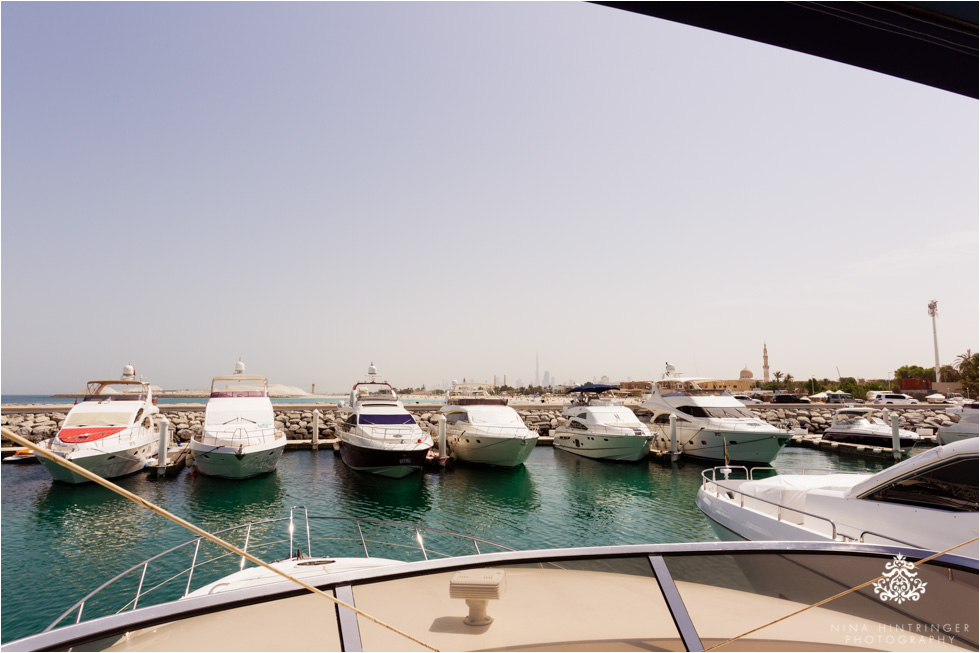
{"x": 933, "y": 309}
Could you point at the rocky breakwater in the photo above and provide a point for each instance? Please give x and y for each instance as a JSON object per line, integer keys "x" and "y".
{"x": 818, "y": 418}
{"x": 299, "y": 424}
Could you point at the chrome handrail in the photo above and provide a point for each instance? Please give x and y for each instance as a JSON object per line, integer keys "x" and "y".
{"x": 779, "y": 507}
{"x": 417, "y": 545}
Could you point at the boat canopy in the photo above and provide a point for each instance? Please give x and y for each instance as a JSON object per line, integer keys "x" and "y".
{"x": 594, "y": 387}
{"x": 496, "y": 415}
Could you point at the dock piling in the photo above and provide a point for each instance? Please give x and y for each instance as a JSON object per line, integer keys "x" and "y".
{"x": 164, "y": 425}
{"x": 441, "y": 421}
{"x": 896, "y": 440}
{"x": 316, "y": 429}
{"x": 674, "y": 453}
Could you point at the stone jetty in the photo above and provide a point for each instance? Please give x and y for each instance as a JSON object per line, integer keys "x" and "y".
{"x": 298, "y": 423}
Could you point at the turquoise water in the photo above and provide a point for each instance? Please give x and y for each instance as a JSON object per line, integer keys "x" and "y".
{"x": 59, "y": 541}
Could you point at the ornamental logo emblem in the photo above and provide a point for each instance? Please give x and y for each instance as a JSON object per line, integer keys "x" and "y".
{"x": 899, "y": 583}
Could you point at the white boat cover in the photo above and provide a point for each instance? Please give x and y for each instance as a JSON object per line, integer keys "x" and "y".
{"x": 791, "y": 490}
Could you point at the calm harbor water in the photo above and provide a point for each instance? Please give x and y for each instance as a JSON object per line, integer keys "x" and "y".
{"x": 60, "y": 541}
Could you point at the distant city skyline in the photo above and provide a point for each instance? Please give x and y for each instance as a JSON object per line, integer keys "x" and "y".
{"x": 465, "y": 189}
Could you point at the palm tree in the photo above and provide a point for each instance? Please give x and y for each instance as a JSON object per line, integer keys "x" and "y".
{"x": 777, "y": 375}
{"x": 963, "y": 361}
{"x": 789, "y": 381}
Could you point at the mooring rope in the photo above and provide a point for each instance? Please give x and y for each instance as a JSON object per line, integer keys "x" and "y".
{"x": 43, "y": 451}
{"x": 837, "y": 596}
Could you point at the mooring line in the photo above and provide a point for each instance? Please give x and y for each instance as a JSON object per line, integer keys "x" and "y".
{"x": 45, "y": 452}
{"x": 837, "y": 596}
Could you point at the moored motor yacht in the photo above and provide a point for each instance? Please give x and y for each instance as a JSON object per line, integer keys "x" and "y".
{"x": 860, "y": 426}
{"x": 110, "y": 432}
{"x": 377, "y": 434}
{"x": 968, "y": 425}
{"x": 601, "y": 427}
{"x": 482, "y": 428}
{"x": 927, "y": 501}
{"x": 239, "y": 438}
{"x": 710, "y": 426}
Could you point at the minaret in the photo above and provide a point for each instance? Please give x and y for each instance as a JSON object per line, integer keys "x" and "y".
{"x": 765, "y": 363}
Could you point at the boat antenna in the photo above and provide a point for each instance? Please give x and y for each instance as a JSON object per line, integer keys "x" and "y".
{"x": 81, "y": 471}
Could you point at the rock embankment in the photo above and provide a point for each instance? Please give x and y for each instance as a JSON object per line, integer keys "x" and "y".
{"x": 299, "y": 424}
{"x": 816, "y": 420}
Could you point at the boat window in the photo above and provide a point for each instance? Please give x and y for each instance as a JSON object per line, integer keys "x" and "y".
{"x": 575, "y": 424}
{"x": 582, "y": 416}
{"x": 729, "y": 411}
{"x": 139, "y": 414}
{"x": 952, "y": 487}
{"x": 386, "y": 420}
{"x": 693, "y": 411}
{"x": 106, "y": 418}
{"x": 662, "y": 418}
{"x": 452, "y": 418}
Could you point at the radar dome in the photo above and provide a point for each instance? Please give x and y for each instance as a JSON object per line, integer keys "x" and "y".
{"x": 372, "y": 369}
{"x": 129, "y": 372}
{"x": 239, "y": 366}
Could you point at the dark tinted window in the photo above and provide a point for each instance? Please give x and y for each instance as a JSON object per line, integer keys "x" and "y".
{"x": 952, "y": 486}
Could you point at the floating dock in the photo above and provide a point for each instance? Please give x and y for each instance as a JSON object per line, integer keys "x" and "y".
{"x": 869, "y": 451}
{"x": 177, "y": 456}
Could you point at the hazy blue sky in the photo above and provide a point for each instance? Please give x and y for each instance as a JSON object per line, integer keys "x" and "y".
{"x": 449, "y": 189}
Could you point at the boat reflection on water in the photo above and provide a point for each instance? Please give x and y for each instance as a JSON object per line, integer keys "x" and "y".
{"x": 626, "y": 504}
{"x": 355, "y": 494}
{"x": 215, "y": 502}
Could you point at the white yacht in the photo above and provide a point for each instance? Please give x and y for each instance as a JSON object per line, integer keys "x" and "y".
{"x": 710, "y": 426}
{"x": 482, "y": 428}
{"x": 927, "y": 501}
{"x": 239, "y": 438}
{"x": 378, "y": 435}
{"x": 860, "y": 426}
{"x": 110, "y": 432}
{"x": 968, "y": 425}
{"x": 602, "y": 427}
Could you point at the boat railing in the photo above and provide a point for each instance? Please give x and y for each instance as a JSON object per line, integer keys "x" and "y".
{"x": 156, "y": 579}
{"x": 602, "y": 429}
{"x": 731, "y": 493}
{"x": 388, "y": 434}
{"x": 221, "y": 437}
{"x": 476, "y": 430}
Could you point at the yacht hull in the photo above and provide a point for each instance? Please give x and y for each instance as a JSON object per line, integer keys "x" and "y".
{"x": 491, "y": 450}
{"x": 391, "y": 463}
{"x": 742, "y": 446}
{"x": 107, "y": 464}
{"x": 233, "y": 462}
{"x": 627, "y": 448}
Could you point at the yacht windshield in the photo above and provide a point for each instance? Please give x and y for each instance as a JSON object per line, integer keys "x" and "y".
{"x": 948, "y": 487}
{"x": 716, "y": 411}
{"x": 386, "y": 420}
{"x": 115, "y": 418}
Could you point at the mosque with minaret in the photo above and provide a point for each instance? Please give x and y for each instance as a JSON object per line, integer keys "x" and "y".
{"x": 746, "y": 378}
